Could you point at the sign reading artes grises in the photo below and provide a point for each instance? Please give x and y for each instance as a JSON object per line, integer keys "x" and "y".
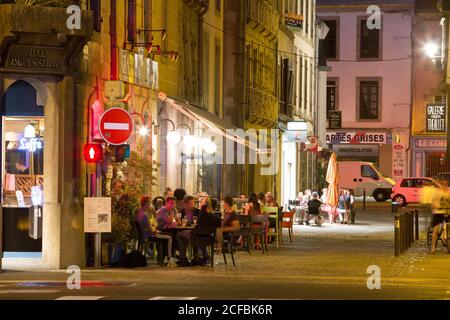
{"x": 358, "y": 137}
{"x": 436, "y": 117}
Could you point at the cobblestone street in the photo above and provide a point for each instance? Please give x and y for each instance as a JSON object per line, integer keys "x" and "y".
{"x": 332, "y": 256}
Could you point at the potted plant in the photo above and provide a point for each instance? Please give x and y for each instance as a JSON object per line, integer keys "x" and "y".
{"x": 129, "y": 183}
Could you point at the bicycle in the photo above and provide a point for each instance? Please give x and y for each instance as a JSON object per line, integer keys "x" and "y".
{"x": 444, "y": 229}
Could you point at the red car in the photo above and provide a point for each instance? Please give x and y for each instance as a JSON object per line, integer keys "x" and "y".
{"x": 408, "y": 190}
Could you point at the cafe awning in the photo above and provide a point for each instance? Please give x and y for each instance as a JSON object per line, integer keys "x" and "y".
{"x": 211, "y": 121}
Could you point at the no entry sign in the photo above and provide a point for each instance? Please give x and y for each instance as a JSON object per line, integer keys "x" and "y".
{"x": 116, "y": 126}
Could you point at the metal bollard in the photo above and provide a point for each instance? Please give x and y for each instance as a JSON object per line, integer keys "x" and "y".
{"x": 364, "y": 199}
{"x": 402, "y": 230}
{"x": 397, "y": 235}
{"x": 416, "y": 221}
{"x": 394, "y": 207}
{"x": 411, "y": 232}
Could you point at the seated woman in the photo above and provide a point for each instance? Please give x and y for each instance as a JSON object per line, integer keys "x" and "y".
{"x": 207, "y": 225}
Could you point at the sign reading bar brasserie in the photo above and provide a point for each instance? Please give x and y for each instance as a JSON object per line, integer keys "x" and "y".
{"x": 436, "y": 114}
{"x": 360, "y": 137}
{"x": 36, "y": 59}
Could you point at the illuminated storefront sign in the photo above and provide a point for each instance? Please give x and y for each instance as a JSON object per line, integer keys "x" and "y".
{"x": 436, "y": 115}
{"x": 360, "y": 137}
{"x": 293, "y": 20}
{"x": 31, "y": 145}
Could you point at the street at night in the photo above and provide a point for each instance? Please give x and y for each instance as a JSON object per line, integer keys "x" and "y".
{"x": 224, "y": 157}
{"x": 328, "y": 262}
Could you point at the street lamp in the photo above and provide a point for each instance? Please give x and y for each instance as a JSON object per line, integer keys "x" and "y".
{"x": 432, "y": 49}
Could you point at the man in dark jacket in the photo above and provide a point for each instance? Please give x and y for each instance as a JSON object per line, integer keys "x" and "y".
{"x": 190, "y": 213}
{"x": 313, "y": 206}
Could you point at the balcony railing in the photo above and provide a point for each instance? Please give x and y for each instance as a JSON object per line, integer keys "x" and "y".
{"x": 263, "y": 107}
{"x": 262, "y": 15}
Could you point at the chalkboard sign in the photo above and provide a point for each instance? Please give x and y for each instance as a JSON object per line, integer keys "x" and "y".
{"x": 335, "y": 118}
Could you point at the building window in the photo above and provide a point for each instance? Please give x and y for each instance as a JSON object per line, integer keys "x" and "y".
{"x": 131, "y": 20}
{"x": 94, "y": 6}
{"x": 218, "y": 5}
{"x": 331, "y": 40}
{"x": 217, "y": 65}
{"x": 286, "y": 87}
{"x": 369, "y": 100}
{"x": 369, "y": 41}
{"x": 331, "y": 96}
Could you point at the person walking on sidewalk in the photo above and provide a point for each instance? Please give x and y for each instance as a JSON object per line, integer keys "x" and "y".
{"x": 342, "y": 207}
{"x": 440, "y": 206}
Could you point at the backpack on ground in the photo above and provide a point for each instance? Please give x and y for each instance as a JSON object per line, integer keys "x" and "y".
{"x": 134, "y": 259}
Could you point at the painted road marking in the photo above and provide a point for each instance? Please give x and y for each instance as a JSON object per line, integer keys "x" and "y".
{"x": 173, "y": 298}
{"x": 116, "y": 126}
{"x": 27, "y": 291}
{"x": 81, "y": 298}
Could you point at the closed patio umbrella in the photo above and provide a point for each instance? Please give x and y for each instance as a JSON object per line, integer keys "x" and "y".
{"x": 333, "y": 181}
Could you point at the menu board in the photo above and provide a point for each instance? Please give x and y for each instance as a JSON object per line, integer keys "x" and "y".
{"x": 335, "y": 119}
{"x": 97, "y": 215}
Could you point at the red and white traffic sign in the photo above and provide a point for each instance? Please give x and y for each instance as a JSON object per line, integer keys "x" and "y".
{"x": 116, "y": 126}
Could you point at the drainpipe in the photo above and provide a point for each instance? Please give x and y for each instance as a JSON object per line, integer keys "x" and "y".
{"x": 201, "y": 13}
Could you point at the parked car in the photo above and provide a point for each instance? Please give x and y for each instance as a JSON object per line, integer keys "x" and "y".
{"x": 408, "y": 190}
{"x": 363, "y": 176}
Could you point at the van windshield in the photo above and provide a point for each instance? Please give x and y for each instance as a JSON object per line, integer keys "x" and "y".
{"x": 378, "y": 171}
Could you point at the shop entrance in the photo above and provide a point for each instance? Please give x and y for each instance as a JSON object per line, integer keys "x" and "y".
{"x": 22, "y": 171}
{"x": 436, "y": 163}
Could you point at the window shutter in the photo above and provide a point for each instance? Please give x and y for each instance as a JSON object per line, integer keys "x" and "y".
{"x": 131, "y": 20}
{"x": 95, "y": 7}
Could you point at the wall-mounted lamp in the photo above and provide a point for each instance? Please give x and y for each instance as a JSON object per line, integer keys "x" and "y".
{"x": 29, "y": 132}
{"x": 163, "y": 32}
{"x": 173, "y": 137}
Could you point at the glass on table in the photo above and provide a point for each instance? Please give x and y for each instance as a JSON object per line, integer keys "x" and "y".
{"x": 194, "y": 220}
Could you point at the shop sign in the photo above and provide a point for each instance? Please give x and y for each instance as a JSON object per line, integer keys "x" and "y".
{"x": 431, "y": 143}
{"x": 30, "y": 145}
{"x": 398, "y": 161}
{"x": 436, "y": 117}
{"x": 335, "y": 119}
{"x": 356, "y": 151}
{"x": 360, "y": 137}
{"x": 36, "y": 59}
{"x": 137, "y": 69}
{"x": 293, "y": 20}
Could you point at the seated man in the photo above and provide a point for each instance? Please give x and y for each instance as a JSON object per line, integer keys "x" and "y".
{"x": 207, "y": 225}
{"x": 230, "y": 222}
{"x": 190, "y": 213}
{"x": 145, "y": 216}
{"x": 313, "y": 207}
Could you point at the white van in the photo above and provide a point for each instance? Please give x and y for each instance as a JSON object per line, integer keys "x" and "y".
{"x": 359, "y": 175}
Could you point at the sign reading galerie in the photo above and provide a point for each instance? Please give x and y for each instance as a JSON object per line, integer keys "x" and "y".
{"x": 436, "y": 115}
{"x": 37, "y": 59}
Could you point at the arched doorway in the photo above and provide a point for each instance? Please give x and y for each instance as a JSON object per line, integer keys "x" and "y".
{"x": 22, "y": 156}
